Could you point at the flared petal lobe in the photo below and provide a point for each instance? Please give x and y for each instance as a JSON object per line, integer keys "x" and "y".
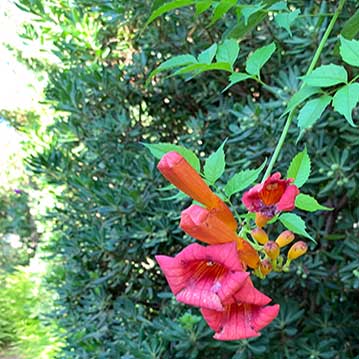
{"x": 180, "y": 173}
{"x": 287, "y": 201}
{"x": 239, "y": 321}
{"x": 204, "y": 276}
{"x": 205, "y": 226}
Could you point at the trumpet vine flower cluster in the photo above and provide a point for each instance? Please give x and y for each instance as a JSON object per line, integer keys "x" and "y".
{"x": 215, "y": 277}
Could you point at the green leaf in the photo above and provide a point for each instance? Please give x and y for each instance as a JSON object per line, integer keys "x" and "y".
{"x": 242, "y": 180}
{"x": 207, "y": 56}
{"x": 312, "y": 111}
{"x": 299, "y": 168}
{"x": 326, "y": 75}
{"x": 160, "y": 149}
{"x": 295, "y": 224}
{"x": 228, "y": 52}
{"x": 286, "y": 19}
{"x": 248, "y": 10}
{"x": 280, "y": 5}
{"x": 176, "y": 4}
{"x": 239, "y": 30}
{"x": 222, "y": 7}
{"x": 351, "y": 27}
{"x": 345, "y": 100}
{"x": 199, "y": 68}
{"x": 259, "y": 57}
{"x": 214, "y": 165}
{"x": 349, "y": 51}
{"x": 237, "y": 77}
{"x": 304, "y": 93}
{"x": 173, "y": 62}
{"x": 308, "y": 203}
{"x": 202, "y": 6}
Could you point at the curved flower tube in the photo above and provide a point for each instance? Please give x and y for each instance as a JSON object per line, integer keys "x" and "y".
{"x": 205, "y": 226}
{"x": 181, "y": 174}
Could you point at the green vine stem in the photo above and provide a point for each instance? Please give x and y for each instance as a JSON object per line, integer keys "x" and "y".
{"x": 310, "y": 69}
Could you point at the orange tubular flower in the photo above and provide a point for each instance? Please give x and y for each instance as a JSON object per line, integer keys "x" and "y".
{"x": 182, "y": 175}
{"x": 205, "y": 226}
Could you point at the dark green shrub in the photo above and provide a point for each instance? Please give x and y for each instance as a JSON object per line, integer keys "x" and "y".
{"x": 110, "y": 219}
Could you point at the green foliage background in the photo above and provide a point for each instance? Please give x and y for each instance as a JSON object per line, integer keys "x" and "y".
{"x": 110, "y": 219}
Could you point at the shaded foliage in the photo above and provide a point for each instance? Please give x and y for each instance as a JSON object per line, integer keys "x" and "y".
{"x": 110, "y": 219}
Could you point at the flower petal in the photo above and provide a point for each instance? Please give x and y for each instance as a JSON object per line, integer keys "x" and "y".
{"x": 250, "y": 295}
{"x": 287, "y": 202}
{"x": 239, "y": 321}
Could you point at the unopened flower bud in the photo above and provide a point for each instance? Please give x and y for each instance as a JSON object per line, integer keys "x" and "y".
{"x": 265, "y": 266}
{"x": 261, "y": 220}
{"x": 259, "y": 235}
{"x": 297, "y": 250}
{"x": 285, "y": 238}
{"x": 272, "y": 249}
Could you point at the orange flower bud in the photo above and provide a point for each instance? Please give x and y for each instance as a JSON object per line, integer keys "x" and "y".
{"x": 285, "y": 238}
{"x": 272, "y": 249}
{"x": 265, "y": 266}
{"x": 259, "y": 235}
{"x": 297, "y": 250}
{"x": 261, "y": 220}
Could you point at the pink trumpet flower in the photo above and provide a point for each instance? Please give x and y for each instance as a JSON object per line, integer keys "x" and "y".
{"x": 204, "y": 276}
{"x": 239, "y": 320}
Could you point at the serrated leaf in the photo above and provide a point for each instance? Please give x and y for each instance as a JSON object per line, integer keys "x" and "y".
{"x": 259, "y": 57}
{"x": 237, "y": 77}
{"x": 326, "y": 75}
{"x": 207, "y": 56}
{"x": 312, "y": 111}
{"x": 228, "y": 52}
{"x": 286, "y": 19}
{"x": 173, "y": 62}
{"x": 280, "y": 5}
{"x": 304, "y": 93}
{"x": 176, "y": 4}
{"x": 159, "y": 149}
{"x": 248, "y": 10}
{"x": 345, "y": 100}
{"x": 349, "y": 51}
{"x": 308, "y": 203}
{"x": 202, "y": 6}
{"x": 295, "y": 224}
{"x": 214, "y": 165}
{"x": 299, "y": 168}
{"x": 242, "y": 180}
{"x": 222, "y": 8}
